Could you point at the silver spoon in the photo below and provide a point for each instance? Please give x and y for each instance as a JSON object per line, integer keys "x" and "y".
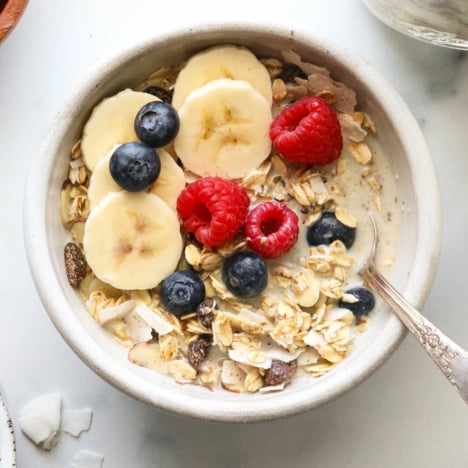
{"x": 451, "y": 359}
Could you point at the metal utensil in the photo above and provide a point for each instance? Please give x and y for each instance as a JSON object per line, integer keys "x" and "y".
{"x": 451, "y": 359}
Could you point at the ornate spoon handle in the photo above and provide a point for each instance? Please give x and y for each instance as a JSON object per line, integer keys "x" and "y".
{"x": 451, "y": 358}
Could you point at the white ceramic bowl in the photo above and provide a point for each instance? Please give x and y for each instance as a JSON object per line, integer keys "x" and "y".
{"x": 45, "y": 236}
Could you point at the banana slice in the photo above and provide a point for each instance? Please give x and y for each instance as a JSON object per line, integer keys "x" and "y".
{"x": 132, "y": 240}
{"x": 101, "y": 182}
{"x": 237, "y": 63}
{"x": 111, "y": 123}
{"x": 224, "y": 129}
{"x": 171, "y": 180}
{"x": 169, "y": 184}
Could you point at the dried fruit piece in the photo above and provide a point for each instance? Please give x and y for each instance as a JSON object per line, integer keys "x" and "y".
{"x": 205, "y": 312}
{"x": 75, "y": 263}
{"x": 308, "y": 131}
{"x": 198, "y": 350}
{"x": 280, "y": 372}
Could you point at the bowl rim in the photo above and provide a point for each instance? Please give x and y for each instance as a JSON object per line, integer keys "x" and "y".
{"x": 419, "y": 281}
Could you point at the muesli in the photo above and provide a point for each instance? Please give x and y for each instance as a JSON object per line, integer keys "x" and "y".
{"x": 230, "y": 261}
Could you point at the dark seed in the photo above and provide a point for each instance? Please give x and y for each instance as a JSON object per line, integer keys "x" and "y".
{"x": 290, "y": 72}
{"x": 198, "y": 350}
{"x": 205, "y": 312}
{"x": 280, "y": 372}
{"x": 161, "y": 93}
{"x": 75, "y": 264}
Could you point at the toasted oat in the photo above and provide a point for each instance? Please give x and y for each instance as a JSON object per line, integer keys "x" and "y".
{"x": 77, "y": 174}
{"x": 210, "y": 261}
{"x": 76, "y": 150}
{"x": 369, "y": 123}
{"x": 181, "y": 370}
{"x": 79, "y": 208}
{"x": 221, "y": 289}
{"x": 253, "y": 380}
{"x": 351, "y": 128}
{"x": 273, "y": 65}
{"x": 317, "y": 341}
{"x": 320, "y": 368}
{"x": 298, "y": 192}
{"x": 222, "y": 331}
{"x": 279, "y": 89}
{"x": 306, "y": 288}
{"x": 245, "y": 341}
{"x": 193, "y": 256}
{"x": 319, "y": 188}
{"x": 361, "y": 152}
{"x": 327, "y": 95}
{"x": 231, "y": 246}
{"x": 340, "y": 166}
{"x": 363, "y": 324}
{"x": 282, "y": 276}
{"x": 375, "y": 184}
{"x": 345, "y": 217}
{"x": 169, "y": 347}
{"x": 377, "y": 202}
{"x": 278, "y": 166}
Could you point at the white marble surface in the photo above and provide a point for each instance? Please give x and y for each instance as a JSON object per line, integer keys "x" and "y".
{"x": 405, "y": 415}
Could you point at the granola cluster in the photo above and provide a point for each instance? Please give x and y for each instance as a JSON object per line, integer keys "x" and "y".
{"x": 295, "y": 326}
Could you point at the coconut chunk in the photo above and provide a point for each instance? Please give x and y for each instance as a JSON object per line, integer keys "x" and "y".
{"x": 87, "y": 459}
{"x": 263, "y": 357}
{"x": 155, "y": 321}
{"x": 74, "y": 422}
{"x": 311, "y": 356}
{"x": 272, "y": 388}
{"x": 116, "y": 312}
{"x": 40, "y": 419}
{"x": 137, "y": 329}
{"x": 249, "y": 357}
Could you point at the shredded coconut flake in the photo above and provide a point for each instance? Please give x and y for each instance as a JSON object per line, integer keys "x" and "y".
{"x": 40, "y": 419}
{"x": 74, "y": 422}
{"x": 162, "y": 326}
{"x": 116, "y": 312}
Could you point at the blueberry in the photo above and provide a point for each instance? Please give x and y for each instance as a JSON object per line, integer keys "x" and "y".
{"x": 328, "y": 229}
{"x": 157, "y": 123}
{"x": 134, "y": 166}
{"x": 365, "y": 303}
{"x": 182, "y": 292}
{"x": 245, "y": 274}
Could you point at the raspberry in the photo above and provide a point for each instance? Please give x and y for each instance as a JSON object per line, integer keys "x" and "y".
{"x": 308, "y": 131}
{"x": 213, "y": 209}
{"x": 271, "y": 229}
